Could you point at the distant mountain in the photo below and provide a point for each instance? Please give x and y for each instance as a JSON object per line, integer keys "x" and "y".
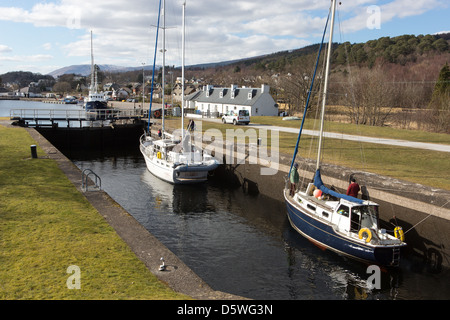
{"x": 85, "y": 69}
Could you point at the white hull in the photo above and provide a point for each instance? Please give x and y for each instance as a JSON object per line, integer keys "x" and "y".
{"x": 166, "y": 165}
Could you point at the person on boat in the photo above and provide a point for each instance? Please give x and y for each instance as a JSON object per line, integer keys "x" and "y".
{"x": 353, "y": 188}
{"x": 191, "y": 125}
{"x": 159, "y": 133}
{"x": 294, "y": 178}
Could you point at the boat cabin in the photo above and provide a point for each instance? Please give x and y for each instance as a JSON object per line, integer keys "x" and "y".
{"x": 352, "y": 217}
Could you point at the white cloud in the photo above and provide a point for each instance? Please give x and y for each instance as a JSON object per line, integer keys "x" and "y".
{"x": 388, "y": 12}
{"x": 216, "y": 30}
{"x": 47, "y": 46}
{"x": 4, "y": 48}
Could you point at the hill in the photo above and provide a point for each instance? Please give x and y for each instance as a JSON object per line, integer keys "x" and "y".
{"x": 23, "y": 78}
{"x": 85, "y": 69}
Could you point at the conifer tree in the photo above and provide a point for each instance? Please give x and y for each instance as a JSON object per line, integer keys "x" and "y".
{"x": 440, "y": 100}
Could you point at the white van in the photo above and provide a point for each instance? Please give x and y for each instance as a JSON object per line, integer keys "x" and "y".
{"x": 236, "y": 117}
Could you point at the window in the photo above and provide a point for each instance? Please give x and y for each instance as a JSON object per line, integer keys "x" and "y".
{"x": 343, "y": 211}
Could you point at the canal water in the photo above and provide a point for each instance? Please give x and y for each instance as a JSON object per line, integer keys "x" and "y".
{"x": 243, "y": 244}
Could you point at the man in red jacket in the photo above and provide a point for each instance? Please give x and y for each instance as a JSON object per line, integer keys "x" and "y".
{"x": 353, "y": 189}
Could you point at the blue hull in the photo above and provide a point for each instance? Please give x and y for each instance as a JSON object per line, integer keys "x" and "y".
{"x": 324, "y": 236}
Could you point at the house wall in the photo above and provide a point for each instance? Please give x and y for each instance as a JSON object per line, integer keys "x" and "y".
{"x": 264, "y": 105}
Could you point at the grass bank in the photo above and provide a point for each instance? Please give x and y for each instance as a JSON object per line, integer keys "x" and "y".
{"x": 46, "y": 225}
{"x": 431, "y": 168}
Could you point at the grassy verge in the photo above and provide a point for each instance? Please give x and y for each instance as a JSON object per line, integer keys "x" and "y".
{"x": 425, "y": 167}
{"x": 362, "y": 130}
{"x": 46, "y": 225}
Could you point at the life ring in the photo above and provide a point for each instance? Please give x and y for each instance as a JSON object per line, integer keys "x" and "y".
{"x": 158, "y": 155}
{"x": 369, "y": 234}
{"x": 398, "y": 232}
{"x": 157, "y": 114}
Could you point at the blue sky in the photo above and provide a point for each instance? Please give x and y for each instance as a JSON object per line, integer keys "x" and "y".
{"x": 41, "y": 36}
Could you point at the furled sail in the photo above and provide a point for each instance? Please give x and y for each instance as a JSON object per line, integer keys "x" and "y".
{"x": 319, "y": 184}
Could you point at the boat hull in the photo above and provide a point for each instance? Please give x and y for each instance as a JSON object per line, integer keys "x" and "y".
{"x": 183, "y": 174}
{"x": 324, "y": 236}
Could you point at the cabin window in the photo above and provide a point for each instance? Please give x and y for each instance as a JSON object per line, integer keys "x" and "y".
{"x": 311, "y": 207}
{"x": 343, "y": 210}
{"x": 325, "y": 214}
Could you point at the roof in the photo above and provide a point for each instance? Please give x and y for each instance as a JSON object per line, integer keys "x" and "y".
{"x": 210, "y": 94}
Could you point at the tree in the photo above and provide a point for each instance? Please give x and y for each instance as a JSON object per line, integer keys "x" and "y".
{"x": 62, "y": 87}
{"x": 372, "y": 97}
{"x": 440, "y": 45}
{"x": 440, "y": 101}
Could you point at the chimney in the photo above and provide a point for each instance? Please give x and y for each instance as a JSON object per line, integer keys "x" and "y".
{"x": 265, "y": 88}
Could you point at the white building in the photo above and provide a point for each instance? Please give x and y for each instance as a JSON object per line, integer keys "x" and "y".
{"x": 213, "y": 102}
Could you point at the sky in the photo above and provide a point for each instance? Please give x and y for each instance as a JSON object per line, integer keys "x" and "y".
{"x": 42, "y": 36}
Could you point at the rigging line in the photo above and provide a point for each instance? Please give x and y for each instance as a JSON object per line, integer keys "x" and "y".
{"x": 352, "y": 87}
{"x": 153, "y": 72}
{"x": 423, "y": 219}
{"x": 309, "y": 94}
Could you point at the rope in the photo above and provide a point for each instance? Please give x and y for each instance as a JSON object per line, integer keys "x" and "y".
{"x": 423, "y": 219}
{"x": 153, "y": 72}
{"x": 309, "y": 95}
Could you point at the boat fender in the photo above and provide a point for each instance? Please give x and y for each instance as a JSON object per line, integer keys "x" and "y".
{"x": 368, "y": 232}
{"x": 158, "y": 155}
{"x": 398, "y": 232}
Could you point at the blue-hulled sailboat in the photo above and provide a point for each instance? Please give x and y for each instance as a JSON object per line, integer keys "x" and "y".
{"x": 334, "y": 221}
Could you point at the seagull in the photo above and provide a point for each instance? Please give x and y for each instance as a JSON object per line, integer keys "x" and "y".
{"x": 163, "y": 266}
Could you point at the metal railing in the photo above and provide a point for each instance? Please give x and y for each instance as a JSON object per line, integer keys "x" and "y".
{"x": 85, "y": 181}
{"x": 76, "y": 115}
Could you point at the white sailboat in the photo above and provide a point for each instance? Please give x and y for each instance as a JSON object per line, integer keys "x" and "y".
{"x": 341, "y": 223}
{"x": 94, "y": 95}
{"x": 174, "y": 160}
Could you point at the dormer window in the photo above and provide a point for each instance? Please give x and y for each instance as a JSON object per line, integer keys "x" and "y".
{"x": 232, "y": 94}
{"x": 221, "y": 94}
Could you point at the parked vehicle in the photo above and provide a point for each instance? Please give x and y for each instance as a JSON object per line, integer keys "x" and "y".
{"x": 239, "y": 117}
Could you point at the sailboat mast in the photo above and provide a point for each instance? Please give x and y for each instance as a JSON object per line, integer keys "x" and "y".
{"x": 325, "y": 88}
{"x": 164, "y": 64}
{"x": 182, "y": 71}
{"x": 93, "y": 85}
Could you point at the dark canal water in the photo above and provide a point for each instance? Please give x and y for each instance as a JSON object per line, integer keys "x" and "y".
{"x": 240, "y": 243}
{"x": 243, "y": 244}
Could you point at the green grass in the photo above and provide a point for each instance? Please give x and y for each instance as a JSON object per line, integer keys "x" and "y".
{"x": 425, "y": 167}
{"x": 353, "y": 129}
{"x": 46, "y": 225}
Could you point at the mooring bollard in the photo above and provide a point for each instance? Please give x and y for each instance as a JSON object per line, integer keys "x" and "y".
{"x": 33, "y": 151}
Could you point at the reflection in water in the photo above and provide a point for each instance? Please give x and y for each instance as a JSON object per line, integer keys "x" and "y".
{"x": 243, "y": 244}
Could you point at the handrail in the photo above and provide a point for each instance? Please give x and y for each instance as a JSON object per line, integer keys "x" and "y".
{"x": 84, "y": 180}
{"x": 75, "y": 115}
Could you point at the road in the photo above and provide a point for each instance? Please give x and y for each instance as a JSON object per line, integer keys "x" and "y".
{"x": 385, "y": 141}
{"x": 392, "y": 142}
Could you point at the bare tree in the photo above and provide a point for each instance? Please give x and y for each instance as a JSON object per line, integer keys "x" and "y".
{"x": 371, "y": 97}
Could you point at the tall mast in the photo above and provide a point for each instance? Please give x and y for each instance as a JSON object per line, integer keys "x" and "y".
{"x": 164, "y": 63}
{"x": 93, "y": 84}
{"x": 325, "y": 88}
{"x": 182, "y": 71}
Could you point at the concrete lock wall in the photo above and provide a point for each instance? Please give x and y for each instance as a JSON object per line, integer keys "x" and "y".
{"x": 422, "y": 212}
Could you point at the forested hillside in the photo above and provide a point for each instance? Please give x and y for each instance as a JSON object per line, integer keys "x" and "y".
{"x": 388, "y": 81}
